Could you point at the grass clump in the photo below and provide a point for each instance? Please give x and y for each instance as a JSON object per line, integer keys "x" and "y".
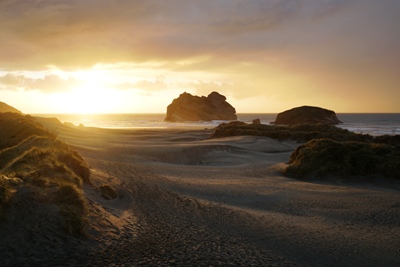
{"x": 75, "y": 162}
{"x": 16, "y": 128}
{"x": 72, "y": 207}
{"x": 39, "y": 163}
{"x": 57, "y": 174}
{"x": 7, "y": 185}
{"x": 328, "y": 150}
{"x": 44, "y": 166}
{"x": 5, "y": 194}
{"x": 326, "y": 157}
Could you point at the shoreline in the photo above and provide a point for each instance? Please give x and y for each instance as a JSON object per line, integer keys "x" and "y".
{"x": 374, "y": 124}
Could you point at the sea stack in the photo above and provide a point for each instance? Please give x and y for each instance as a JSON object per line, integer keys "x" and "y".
{"x": 194, "y": 108}
{"x": 307, "y": 114}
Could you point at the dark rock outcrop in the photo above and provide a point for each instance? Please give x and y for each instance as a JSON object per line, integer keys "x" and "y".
{"x": 256, "y": 121}
{"x": 307, "y": 114}
{"x": 7, "y": 108}
{"x": 194, "y": 108}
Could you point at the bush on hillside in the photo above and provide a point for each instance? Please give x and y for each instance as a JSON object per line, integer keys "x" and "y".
{"x": 325, "y": 157}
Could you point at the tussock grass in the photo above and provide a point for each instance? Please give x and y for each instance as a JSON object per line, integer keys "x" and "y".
{"x": 4, "y": 191}
{"x": 7, "y": 185}
{"x": 16, "y": 128}
{"x": 75, "y": 163}
{"x": 39, "y": 163}
{"x": 38, "y": 156}
{"x": 325, "y": 157}
{"x": 72, "y": 206}
{"x": 43, "y": 164}
{"x": 328, "y": 150}
{"x": 10, "y": 153}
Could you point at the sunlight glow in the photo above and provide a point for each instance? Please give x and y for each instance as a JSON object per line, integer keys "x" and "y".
{"x": 91, "y": 96}
{"x": 85, "y": 100}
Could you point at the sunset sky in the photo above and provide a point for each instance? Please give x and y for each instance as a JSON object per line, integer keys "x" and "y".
{"x": 129, "y": 56}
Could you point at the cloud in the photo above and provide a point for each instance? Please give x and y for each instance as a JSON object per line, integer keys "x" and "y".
{"x": 205, "y": 88}
{"x": 81, "y": 33}
{"x": 237, "y": 89}
{"x": 252, "y": 47}
{"x": 242, "y": 17}
{"x": 48, "y": 84}
{"x": 12, "y": 80}
{"x": 52, "y": 83}
{"x": 158, "y": 84}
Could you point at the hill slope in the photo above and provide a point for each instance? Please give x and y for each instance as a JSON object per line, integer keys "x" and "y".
{"x": 7, "y": 108}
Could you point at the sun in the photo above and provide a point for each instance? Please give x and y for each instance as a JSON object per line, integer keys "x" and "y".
{"x": 90, "y": 100}
{"x": 90, "y": 96}
{"x": 105, "y": 91}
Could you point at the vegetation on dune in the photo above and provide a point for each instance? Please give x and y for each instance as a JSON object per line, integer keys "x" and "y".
{"x": 40, "y": 164}
{"x": 393, "y": 140}
{"x": 15, "y": 128}
{"x": 5, "y": 192}
{"x": 47, "y": 149}
{"x": 298, "y": 132}
{"x": 72, "y": 207}
{"x": 329, "y": 150}
{"x": 326, "y": 157}
{"x": 32, "y": 159}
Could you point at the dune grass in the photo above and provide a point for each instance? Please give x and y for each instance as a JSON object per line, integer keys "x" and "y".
{"x": 16, "y": 128}
{"x": 72, "y": 206}
{"x": 328, "y": 150}
{"x": 32, "y": 157}
{"x": 5, "y": 194}
{"x": 298, "y": 132}
{"x": 320, "y": 158}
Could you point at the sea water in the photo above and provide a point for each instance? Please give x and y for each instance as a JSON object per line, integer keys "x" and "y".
{"x": 373, "y": 124}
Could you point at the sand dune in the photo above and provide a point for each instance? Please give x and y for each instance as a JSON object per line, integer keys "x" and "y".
{"x": 194, "y": 201}
{"x": 184, "y": 199}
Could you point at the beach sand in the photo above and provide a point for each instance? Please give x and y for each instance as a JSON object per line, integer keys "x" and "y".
{"x": 184, "y": 199}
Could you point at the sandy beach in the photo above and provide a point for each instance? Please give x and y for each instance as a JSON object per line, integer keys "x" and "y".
{"x": 187, "y": 200}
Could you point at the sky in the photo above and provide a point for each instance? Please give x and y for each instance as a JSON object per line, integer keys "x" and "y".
{"x": 135, "y": 56}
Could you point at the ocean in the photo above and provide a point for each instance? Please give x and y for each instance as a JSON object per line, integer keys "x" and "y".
{"x": 373, "y": 123}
